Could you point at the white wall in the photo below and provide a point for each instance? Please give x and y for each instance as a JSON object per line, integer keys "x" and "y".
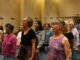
{"x": 9, "y": 9}
{"x": 69, "y": 7}
{"x": 41, "y": 9}
{"x": 32, "y": 8}
{"x": 50, "y": 10}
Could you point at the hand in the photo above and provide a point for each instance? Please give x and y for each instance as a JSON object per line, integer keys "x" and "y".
{"x": 31, "y": 58}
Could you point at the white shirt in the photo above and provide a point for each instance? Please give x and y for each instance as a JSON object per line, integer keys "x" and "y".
{"x": 41, "y": 38}
{"x": 19, "y": 38}
{"x": 76, "y": 35}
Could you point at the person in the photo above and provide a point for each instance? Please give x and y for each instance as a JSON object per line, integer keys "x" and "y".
{"x": 69, "y": 35}
{"x": 79, "y": 35}
{"x": 9, "y": 43}
{"x": 19, "y": 35}
{"x": 28, "y": 41}
{"x": 78, "y": 28}
{"x": 41, "y": 36}
{"x": 1, "y": 38}
{"x": 1, "y": 34}
{"x": 19, "y": 30}
{"x": 59, "y": 48}
{"x": 75, "y": 34}
{"x": 48, "y": 33}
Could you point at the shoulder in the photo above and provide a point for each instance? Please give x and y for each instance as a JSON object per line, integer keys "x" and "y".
{"x": 70, "y": 33}
{"x": 51, "y": 38}
{"x": 1, "y": 31}
{"x": 75, "y": 29}
{"x": 65, "y": 40}
{"x": 19, "y": 33}
{"x": 32, "y": 31}
{"x": 5, "y": 35}
{"x": 42, "y": 31}
{"x": 14, "y": 36}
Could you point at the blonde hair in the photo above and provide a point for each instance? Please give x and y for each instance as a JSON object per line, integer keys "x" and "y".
{"x": 71, "y": 22}
{"x": 58, "y": 21}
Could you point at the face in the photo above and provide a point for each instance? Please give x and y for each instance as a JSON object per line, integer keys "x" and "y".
{"x": 36, "y": 24}
{"x": 55, "y": 27}
{"x": 21, "y": 28}
{"x": 71, "y": 26}
{"x": 8, "y": 31}
{"x": 65, "y": 28}
{"x": 25, "y": 22}
{"x": 46, "y": 26}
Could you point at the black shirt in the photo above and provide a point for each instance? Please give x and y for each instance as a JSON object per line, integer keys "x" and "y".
{"x": 69, "y": 36}
{"x": 26, "y": 40}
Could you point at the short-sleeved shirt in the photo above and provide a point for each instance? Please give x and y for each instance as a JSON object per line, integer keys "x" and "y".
{"x": 26, "y": 40}
{"x": 69, "y": 36}
{"x": 9, "y": 45}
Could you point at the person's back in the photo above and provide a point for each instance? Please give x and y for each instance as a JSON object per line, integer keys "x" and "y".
{"x": 70, "y": 37}
{"x": 76, "y": 36}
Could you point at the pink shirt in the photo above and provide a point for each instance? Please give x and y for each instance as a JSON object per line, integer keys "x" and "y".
{"x": 9, "y": 45}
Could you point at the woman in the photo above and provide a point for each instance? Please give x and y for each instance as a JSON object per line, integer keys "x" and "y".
{"x": 9, "y": 43}
{"x": 19, "y": 36}
{"x": 75, "y": 34}
{"x": 1, "y": 37}
{"x": 19, "y": 40}
{"x": 41, "y": 38}
{"x": 1, "y": 34}
{"x": 69, "y": 35}
{"x": 28, "y": 41}
{"x": 19, "y": 30}
{"x": 59, "y": 48}
{"x": 48, "y": 33}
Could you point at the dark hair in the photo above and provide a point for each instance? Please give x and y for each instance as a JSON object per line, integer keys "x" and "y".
{"x": 1, "y": 27}
{"x": 10, "y": 26}
{"x": 40, "y": 28}
{"x": 63, "y": 22}
{"x": 47, "y": 24}
{"x": 30, "y": 21}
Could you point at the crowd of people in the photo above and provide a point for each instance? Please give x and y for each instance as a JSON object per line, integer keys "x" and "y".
{"x": 53, "y": 40}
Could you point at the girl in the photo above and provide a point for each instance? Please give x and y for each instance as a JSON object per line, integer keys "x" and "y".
{"x": 9, "y": 43}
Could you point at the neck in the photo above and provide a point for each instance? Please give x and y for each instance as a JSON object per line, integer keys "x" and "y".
{"x": 26, "y": 28}
{"x": 37, "y": 30}
{"x": 65, "y": 31}
{"x": 47, "y": 29}
{"x": 9, "y": 33}
{"x": 58, "y": 33}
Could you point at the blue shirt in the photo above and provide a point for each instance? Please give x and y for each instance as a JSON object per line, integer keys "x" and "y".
{"x": 48, "y": 34}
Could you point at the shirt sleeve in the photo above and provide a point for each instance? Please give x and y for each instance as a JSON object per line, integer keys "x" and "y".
{"x": 19, "y": 38}
{"x": 76, "y": 35}
{"x": 51, "y": 32}
{"x": 71, "y": 36}
{"x": 42, "y": 38}
{"x": 14, "y": 40}
{"x": 33, "y": 35}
